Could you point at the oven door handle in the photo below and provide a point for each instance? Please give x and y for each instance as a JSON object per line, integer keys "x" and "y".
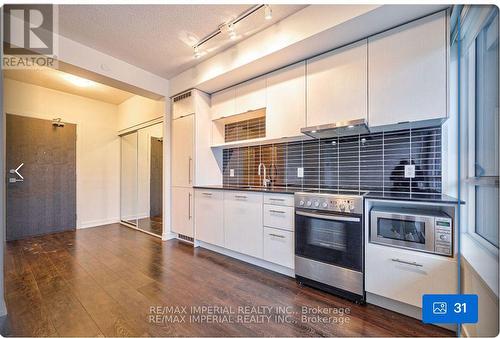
{"x": 328, "y": 217}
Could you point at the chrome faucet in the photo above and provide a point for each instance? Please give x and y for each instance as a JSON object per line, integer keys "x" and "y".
{"x": 265, "y": 180}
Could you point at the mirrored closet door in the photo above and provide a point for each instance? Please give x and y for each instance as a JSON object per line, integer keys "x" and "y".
{"x": 142, "y": 179}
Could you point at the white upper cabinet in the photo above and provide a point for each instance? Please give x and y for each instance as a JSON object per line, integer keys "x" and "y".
{"x": 251, "y": 95}
{"x": 408, "y": 72}
{"x": 337, "y": 85}
{"x": 286, "y": 101}
{"x": 183, "y": 105}
{"x": 223, "y": 103}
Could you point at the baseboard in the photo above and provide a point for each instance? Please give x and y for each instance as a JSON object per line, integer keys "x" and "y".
{"x": 168, "y": 236}
{"x": 248, "y": 259}
{"x": 91, "y": 224}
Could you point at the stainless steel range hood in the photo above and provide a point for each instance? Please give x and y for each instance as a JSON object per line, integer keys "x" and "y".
{"x": 344, "y": 128}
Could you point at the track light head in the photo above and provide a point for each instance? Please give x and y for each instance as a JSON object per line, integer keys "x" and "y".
{"x": 268, "y": 12}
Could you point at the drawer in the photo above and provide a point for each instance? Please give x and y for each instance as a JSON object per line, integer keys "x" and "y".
{"x": 279, "y": 199}
{"x": 209, "y": 194}
{"x": 279, "y": 247}
{"x": 405, "y": 275}
{"x": 243, "y": 196}
{"x": 276, "y": 216}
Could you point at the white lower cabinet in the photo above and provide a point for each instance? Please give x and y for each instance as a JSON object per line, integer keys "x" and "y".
{"x": 182, "y": 211}
{"x": 279, "y": 247}
{"x": 243, "y": 229}
{"x": 406, "y": 275}
{"x": 209, "y": 216}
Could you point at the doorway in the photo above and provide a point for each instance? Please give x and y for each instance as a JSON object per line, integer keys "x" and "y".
{"x": 142, "y": 179}
{"x": 41, "y": 176}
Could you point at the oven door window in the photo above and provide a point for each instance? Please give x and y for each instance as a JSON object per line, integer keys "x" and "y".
{"x": 337, "y": 242}
{"x": 401, "y": 230}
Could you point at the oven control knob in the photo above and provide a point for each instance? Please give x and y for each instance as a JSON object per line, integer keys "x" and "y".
{"x": 351, "y": 206}
{"x": 308, "y": 203}
{"x": 324, "y": 205}
{"x": 301, "y": 203}
{"x": 316, "y": 204}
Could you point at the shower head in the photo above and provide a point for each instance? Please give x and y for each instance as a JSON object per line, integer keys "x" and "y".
{"x": 58, "y": 123}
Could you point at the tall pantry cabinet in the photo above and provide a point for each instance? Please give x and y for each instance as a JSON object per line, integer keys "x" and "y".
{"x": 193, "y": 161}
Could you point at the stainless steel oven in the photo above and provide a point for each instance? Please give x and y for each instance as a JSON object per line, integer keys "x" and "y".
{"x": 422, "y": 230}
{"x": 329, "y": 243}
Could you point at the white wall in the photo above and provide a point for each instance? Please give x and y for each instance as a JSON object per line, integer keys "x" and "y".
{"x": 98, "y": 145}
{"x": 137, "y": 110}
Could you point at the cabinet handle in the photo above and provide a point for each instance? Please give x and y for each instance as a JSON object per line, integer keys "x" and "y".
{"x": 189, "y": 206}
{"x": 206, "y": 193}
{"x": 277, "y": 199}
{"x": 189, "y": 170}
{"x": 276, "y": 211}
{"x": 406, "y": 262}
{"x": 279, "y": 236}
{"x": 240, "y": 196}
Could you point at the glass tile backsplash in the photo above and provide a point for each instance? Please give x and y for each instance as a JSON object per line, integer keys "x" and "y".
{"x": 372, "y": 162}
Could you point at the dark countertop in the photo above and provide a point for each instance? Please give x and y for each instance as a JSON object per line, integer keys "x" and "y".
{"x": 280, "y": 190}
{"x": 417, "y": 197}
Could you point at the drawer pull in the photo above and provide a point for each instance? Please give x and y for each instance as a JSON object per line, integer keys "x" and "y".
{"x": 277, "y": 211}
{"x": 279, "y": 236}
{"x": 277, "y": 199}
{"x": 206, "y": 193}
{"x": 240, "y": 196}
{"x": 406, "y": 262}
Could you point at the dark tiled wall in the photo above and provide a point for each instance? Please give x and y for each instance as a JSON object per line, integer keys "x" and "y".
{"x": 244, "y": 130}
{"x": 373, "y": 162}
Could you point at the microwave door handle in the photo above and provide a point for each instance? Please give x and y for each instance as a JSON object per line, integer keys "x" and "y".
{"x": 328, "y": 217}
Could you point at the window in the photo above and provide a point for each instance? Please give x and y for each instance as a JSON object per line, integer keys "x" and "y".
{"x": 483, "y": 196}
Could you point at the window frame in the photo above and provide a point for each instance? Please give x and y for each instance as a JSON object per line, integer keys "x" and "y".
{"x": 472, "y": 181}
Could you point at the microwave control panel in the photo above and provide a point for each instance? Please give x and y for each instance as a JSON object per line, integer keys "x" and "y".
{"x": 443, "y": 236}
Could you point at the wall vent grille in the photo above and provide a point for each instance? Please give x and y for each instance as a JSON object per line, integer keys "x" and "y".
{"x": 182, "y": 96}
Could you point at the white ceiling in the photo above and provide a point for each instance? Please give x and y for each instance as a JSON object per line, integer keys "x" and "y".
{"x": 158, "y": 38}
{"x": 54, "y": 79}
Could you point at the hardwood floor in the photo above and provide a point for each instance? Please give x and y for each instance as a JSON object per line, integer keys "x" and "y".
{"x": 105, "y": 281}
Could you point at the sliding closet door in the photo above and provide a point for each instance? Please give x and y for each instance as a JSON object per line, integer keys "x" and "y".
{"x": 129, "y": 179}
{"x": 150, "y": 189}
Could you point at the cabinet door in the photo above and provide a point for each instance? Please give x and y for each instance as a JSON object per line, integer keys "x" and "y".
{"x": 286, "y": 101}
{"x": 182, "y": 151}
{"x": 183, "y": 107}
{"x": 337, "y": 85}
{"x": 223, "y": 103}
{"x": 406, "y": 275}
{"x": 208, "y": 216}
{"x": 408, "y": 72}
{"x": 251, "y": 95}
{"x": 243, "y": 230}
{"x": 182, "y": 211}
{"x": 279, "y": 247}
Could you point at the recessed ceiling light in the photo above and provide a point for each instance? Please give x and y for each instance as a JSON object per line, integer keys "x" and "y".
{"x": 313, "y": 131}
{"x": 78, "y": 81}
{"x": 350, "y": 126}
{"x": 268, "y": 12}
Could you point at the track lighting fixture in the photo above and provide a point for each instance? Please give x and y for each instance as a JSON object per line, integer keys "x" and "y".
{"x": 197, "y": 53}
{"x": 268, "y": 12}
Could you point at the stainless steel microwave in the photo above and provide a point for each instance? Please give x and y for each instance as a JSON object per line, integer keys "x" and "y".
{"x": 413, "y": 229}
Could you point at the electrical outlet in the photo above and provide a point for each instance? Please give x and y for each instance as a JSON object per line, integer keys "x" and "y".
{"x": 231, "y": 172}
{"x": 300, "y": 172}
{"x": 409, "y": 171}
